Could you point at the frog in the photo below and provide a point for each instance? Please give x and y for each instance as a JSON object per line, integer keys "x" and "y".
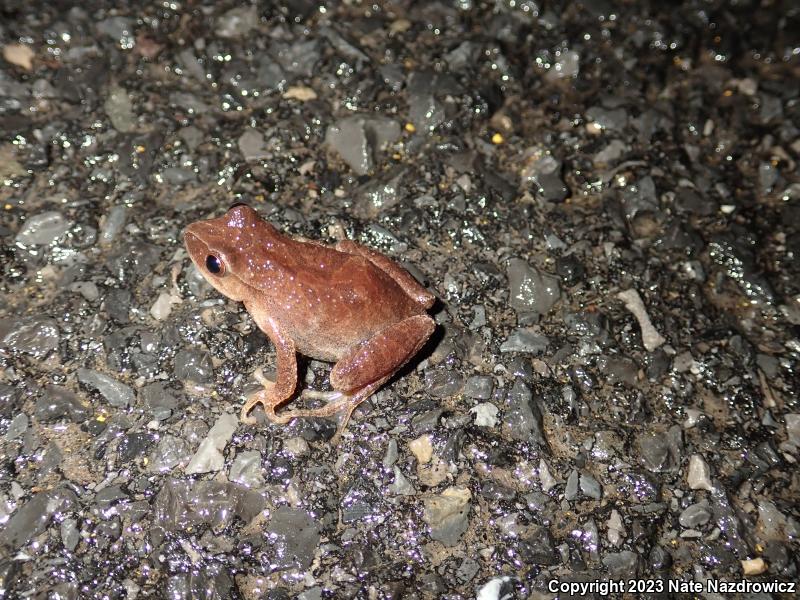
{"x": 344, "y": 303}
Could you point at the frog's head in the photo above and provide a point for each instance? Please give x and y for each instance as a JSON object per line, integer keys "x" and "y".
{"x": 223, "y": 249}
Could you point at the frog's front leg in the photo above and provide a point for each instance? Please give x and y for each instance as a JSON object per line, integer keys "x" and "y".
{"x": 274, "y": 394}
{"x": 368, "y": 365}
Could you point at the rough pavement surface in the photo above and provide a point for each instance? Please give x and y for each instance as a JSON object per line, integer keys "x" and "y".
{"x": 606, "y": 202}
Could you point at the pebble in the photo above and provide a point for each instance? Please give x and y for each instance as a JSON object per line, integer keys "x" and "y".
{"x": 237, "y": 22}
{"x": 32, "y": 518}
{"x": 531, "y": 290}
{"x": 116, "y": 393}
{"x": 447, "y": 514}
{"x": 169, "y": 453}
{"x": 162, "y": 307}
{"x": 571, "y": 489}
{"x": 479, "y": 387}
{"x": 621, "y": 564}
{"x": 651, "y": 339}
{"x": 194, "y": 365}
{"x": 698, "y": 474}
{"x": 522, "y": 419}
{"x": 695, "y": 515}
{"x": 497, "y": 588}
{"x": 20, "y": 55}
{"x": 525, "y": 339}
{"x": 293, "y": 537}
{"x": 547, "y": 479}
{"x": 209, "y": 458}
{"x": 401, "y": 486}
{"x": 754, "y": 566}
{"x": 246, "y": 469}
{"x": 358, "y": 138}
{"x": 605, "y": 119}
{"x": 590, "y": 487}
{"x": 793, "y": 427}
{"x": 425, "y": 112}
{"x": 252, "y": 146}
{"x": 112, "y": 224}
{"x": 616, "y": 528}
{"x": 119, "y": 109}
{"x": 421, "y": 448}
{"x": 543, "y": 172}
{"x": 390, "y": 457}
{"x": 17, "y": 427}
{"x": 296, "y": 446}
{"x": 485, "y": 414}
{"x": 37, "y": 336}
{"x": 43, "y": 229}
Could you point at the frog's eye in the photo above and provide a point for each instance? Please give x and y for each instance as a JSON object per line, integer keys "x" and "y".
{"x": 215, "y": 265}
{"x": 232, "y": 206}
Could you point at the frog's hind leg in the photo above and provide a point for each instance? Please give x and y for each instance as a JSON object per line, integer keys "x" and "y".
{"x": 367, "y": 366}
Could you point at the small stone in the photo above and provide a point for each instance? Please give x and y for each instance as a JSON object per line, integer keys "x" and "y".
{"x": 421, "y": 448}
{"x": 447, "y": 514}
{"x": 391, "y": 454}
{"x": 70, "y": 536}
{"x": 299, "y": 92}
{"x": 119, "y": 109}
{"x": 20, "y": 55}
{"x": 485, "y": 414}
{"x": 252, "y": 146}
{"x": 527, "y": 340}
{"x": 571, "y": 489}
{"x": 169, "y": 453}
{"x": 162, "y": 307}
{"x": 37, "y": 336}
{"x": 498, "y": 588}
{"x": 793, "y": 427}
{"x": 695, "y": 515}
{"x": 621, "y": 564}
{"x": 543, "y": 171}
{"x": 116, "y": 393}
{"x": 246, "y": 469}
{"x": 401, "y": 486}
{"x": 754, "y": 566}
{"x": 296, "y": 446}
{"x": 425, "y": 112}
{"x": 43, "y": 229}
{"x": 237, "y": 22}
{"x": 523, "y": 418}
{"x": 530, "y": 289}
{"x": 651, "y": 339}
{"x": 293, "y": 537}
{"x": 547, "y": 479}
{"x": 194, "y": 365}
{"x": 17, "y": 427}
{"x": 479, "y": 387}
{"x": 358, "y": 138}
{"x": 698, "y": 475}
{"x": 209, "y": 458}
{"x": 590, "y": 487}
{"x": 616, "y": 528}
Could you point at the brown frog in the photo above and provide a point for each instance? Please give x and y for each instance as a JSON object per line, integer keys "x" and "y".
{"x": 345, "y": 303}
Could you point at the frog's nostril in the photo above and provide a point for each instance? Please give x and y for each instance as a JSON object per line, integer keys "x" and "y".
{"x": 214, "y": 264}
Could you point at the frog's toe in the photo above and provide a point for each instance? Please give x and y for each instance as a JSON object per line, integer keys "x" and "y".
{"x": 245, "y": 417}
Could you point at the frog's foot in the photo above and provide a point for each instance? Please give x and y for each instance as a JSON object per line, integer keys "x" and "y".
{"x": 266, "y": 398}
{"x": 338, "y": 402}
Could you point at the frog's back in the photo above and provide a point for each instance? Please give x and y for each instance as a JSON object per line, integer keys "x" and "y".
{"x": 328, "y": 300}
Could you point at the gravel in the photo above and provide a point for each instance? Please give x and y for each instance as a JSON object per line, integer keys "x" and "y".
{"x": 603, "y": 197}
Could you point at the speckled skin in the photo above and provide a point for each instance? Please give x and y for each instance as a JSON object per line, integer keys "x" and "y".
{"x": 346, "y": 304}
